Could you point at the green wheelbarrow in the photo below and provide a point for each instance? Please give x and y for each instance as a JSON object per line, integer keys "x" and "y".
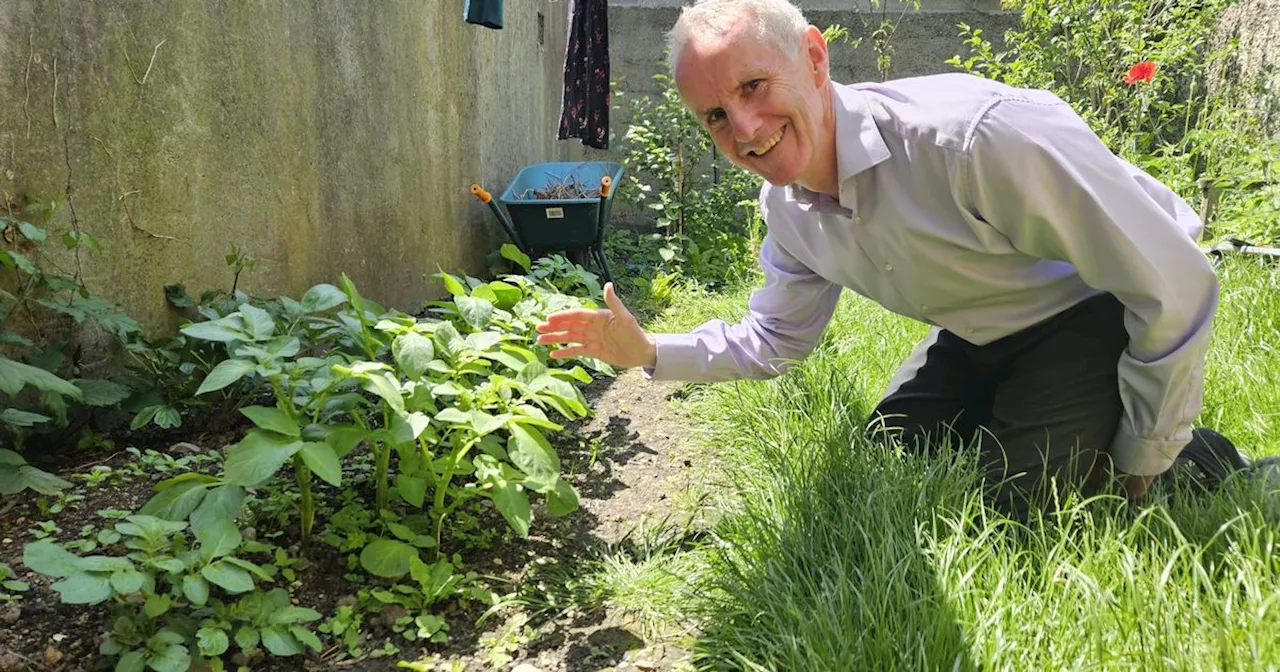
{"x": 558, "y": 206}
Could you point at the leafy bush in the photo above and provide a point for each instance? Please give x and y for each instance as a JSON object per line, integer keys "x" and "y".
{"x": 1167, "y": 121}
{"x": 451, "y": 407}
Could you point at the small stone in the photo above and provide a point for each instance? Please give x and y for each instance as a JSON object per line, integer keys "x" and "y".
{"x": 391, "y": 613}
{"x": 650, "y": 659}
{"x": 57, "y": 639}
{"x": 10, "y": 662}
{"x": 249, "y": 534}
{"x": 184, "y": 447}
{"x": 348, "y": 601}
{"x": 526, "y": 667}
{"x": 52, "y": 656}
{"x": 10, "y": 614}
{"x": 239, "y": 659}
{"x": 377, "y": 653}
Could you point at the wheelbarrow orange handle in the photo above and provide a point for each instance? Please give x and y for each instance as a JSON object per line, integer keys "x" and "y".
{"x": 481, "y": 193}
{"x": 605, "y": 184}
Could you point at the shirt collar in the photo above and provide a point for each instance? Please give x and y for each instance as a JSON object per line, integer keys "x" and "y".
{"x": 859, "y": 146}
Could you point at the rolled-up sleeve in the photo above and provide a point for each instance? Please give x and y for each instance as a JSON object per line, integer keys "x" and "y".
{"x": 785, "y": 319}
{"x": 1039, "y": 175}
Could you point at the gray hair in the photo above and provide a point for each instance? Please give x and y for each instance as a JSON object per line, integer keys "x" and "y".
{"x": 774, "y": 21}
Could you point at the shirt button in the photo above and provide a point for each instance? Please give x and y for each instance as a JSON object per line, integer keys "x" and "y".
{"x": 888, "y": 267}
{"x": 857, "y": 220}
{"x": 969, "y": 330}
{"x": 924, "y": 309}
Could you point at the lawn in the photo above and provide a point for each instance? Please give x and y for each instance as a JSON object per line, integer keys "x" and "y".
{"x": 833, "y": 554}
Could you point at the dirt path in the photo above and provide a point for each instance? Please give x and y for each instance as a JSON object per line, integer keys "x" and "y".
{"x": 631, "y": 461}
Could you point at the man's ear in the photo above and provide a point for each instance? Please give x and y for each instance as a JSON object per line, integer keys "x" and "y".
{"x": 817, "y": 55}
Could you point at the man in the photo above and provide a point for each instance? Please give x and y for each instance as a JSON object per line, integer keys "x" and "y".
{"x": 1071, "y": 305}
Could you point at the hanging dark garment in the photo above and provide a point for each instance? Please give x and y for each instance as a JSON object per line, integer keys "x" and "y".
{"x": 487, "y": 13}
{"x": 585, "y": 110}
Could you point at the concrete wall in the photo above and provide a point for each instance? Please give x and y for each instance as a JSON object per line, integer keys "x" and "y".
{"x": 321, "y": 136}
{"x": 1256, "y": 24}
{"x": 922, "y": 43}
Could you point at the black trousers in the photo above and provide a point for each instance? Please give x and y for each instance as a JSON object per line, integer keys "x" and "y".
{"x": 1041, "y": 405}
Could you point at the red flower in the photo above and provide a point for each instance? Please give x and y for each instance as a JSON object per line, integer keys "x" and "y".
{"x": 1141, "y": 72}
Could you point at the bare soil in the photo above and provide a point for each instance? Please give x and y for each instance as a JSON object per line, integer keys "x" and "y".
{"x": 632, "y": 460}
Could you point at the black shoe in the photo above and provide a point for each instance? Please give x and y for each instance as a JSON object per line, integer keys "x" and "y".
{"x": 1206, "y": 461}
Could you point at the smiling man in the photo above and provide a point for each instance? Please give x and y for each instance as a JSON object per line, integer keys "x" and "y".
{"x": 1071, "y": 306}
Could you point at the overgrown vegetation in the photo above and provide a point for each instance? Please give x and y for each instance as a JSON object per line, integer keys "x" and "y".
{"x": 1180, "y": 118}
{"x": 450, "y": 408}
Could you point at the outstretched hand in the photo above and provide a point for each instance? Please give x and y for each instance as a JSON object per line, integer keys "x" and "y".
{"x": 612, "y": 335}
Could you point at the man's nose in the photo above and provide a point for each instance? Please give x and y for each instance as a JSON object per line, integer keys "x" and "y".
{"x": 746, "y": 123}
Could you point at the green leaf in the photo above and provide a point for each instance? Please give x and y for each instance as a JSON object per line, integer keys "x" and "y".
{"x": 272, "y": 419}
{"x": 514, "y": 505}
{"x": 477, "y": 312}
{"x": 306, "y": 637}
{"x": 218, "y": 538}
{"x": 247, "y": 638}
{"x": 413, "y": 489}
{"x": 452, "y": 285}
{"x": 48, "y": 558}
{"x": 280, "y": 642}
{"x": 221, "y": 503}
{"x": 532, "y": 453}
{"x": 15, "y": 418}
{"x": 322, "y": 297}
{"x": 387, "y": 558}
{"x": 387, "y": 387}
{"x": 224, "y": 330}
{"x": 248, "y": 567}
{"x": 344, "y": 438}
{"x": 257, "y": 321}
{"x": 196, "y": 589}
{"x": 258, "y": 456}
{"x": 23, "y": 263}
{"x": 507, "y": 295}
{"x": 10, "y": 458}
{"x": 212, "y": 642}
{"x": 16, "y": 586}
{"x": 97, "y": 392}
{"x": 144, "y": 416}
{"x": 413, "y": 352}
{"x": 290, "y": 615}
{"x": 484, "y": 340}
{"x": 514, "y": 254}
{"x": 84, "y": 588}
{"x": 562, "y": 500}
{"x": 322, "y": 461}
{"x": 15, "y": 375}
{"x": 171, "y": 658}
{"x": 176, "y": 502}
{"x": 32, "y": 232}
{"x": 168, "y": 417}
{"x": 225, "y": 373}
{"x": 105, "y": 563}
{"x": 453, "y": 415}
{"x": 127, "y": 582}
{"x": 485, "y": 423}
{"x": 133, "y": 661}
{"x": 228, "y": 577}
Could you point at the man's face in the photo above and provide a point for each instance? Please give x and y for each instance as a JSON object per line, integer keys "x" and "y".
{"x": 763, "y": 108}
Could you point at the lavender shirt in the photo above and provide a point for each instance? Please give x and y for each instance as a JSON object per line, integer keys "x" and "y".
{"x": 980, "y": 209}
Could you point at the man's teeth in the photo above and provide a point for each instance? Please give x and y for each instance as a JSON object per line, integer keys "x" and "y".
{"x": 768, "y": 144}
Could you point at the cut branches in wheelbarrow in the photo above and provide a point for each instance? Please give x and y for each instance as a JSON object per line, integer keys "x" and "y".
{"x": 558, "y": 206}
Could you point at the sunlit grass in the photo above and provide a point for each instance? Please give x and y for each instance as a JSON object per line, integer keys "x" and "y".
{"x": 837, "y": 555}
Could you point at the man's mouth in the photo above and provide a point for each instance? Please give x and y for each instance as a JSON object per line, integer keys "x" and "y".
{"x": 764, "y": 147}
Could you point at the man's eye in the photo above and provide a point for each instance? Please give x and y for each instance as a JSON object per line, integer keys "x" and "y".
{"x": 754, "y": 84}
{"x": 714, "y": 116}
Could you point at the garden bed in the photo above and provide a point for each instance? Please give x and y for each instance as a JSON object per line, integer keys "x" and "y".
{"x": 624, "y": 473}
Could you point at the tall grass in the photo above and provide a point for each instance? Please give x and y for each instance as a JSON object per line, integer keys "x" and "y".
{"x": 838, "y": 555}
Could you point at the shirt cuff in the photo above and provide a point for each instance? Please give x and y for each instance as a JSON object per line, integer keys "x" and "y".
{"x": 677, "y": 358}
{"x": 1139, "y": 456}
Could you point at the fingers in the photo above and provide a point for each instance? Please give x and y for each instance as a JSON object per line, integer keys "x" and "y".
{"x": 575, "y": 351}
{"x": 568, "y": 318}
{"x": 615, "y": 304}
{"x": 573, "y": 336}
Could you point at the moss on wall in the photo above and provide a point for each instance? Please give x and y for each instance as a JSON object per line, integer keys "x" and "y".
{"x": 321, "y": 137}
